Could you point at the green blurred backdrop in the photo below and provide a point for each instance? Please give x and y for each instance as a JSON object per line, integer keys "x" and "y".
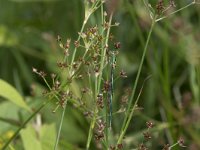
{"x": 171, "y": 98}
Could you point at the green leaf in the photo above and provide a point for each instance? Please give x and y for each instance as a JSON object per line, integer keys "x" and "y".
{"x": 7, "y": 37}
{"x": 48, "y": 136}
{"x": 11, "y": 94}
{"x": 30, "y": 140}
{"x": 44, "y": 139}
{"x": 11, "y": 147}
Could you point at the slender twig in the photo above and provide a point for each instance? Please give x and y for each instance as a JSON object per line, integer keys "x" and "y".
{"x": 87, "y": 16}
{"x": 103, "y": 53}
{"x": 60, "y": 127}
{"x": 173, "y": 145}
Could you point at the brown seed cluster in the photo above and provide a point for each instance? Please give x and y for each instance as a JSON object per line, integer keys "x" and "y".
{"x": 100, "y": 102}
{"x": 142, "y": 147}
{"x": 123, "y": 74}
{"x": 160, "y": 7}
{"x": 100, "y": 126}
{"x": 149, "y": 124}
{"x": 181, "y": 142}
{"x": 147, "y": 135}
{"x": 85, "y": 63}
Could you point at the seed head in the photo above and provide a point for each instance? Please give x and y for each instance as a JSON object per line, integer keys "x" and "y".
{"x": 120, "y": 146}
{"x": 67, "y": 45}
{"x": 142, "y": 147}
{"x": 149, "y": 124}
{"x": 76, "y": 44}
{"x": 59, "y": 38}
{"x": 160, "y": 7}
{"x": 172, "y": 3}
{"x": 34, "y": 70}
{"x": 117, "y": 45}
{"x": 147, "y": 135}
{"x": 100, "y": 100}
{"x": 181, "y": 142}
{"x": 123, "y": 74}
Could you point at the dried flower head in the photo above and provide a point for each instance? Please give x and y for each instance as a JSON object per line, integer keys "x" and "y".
{"x": 142, "y": 147}
{"x": 149, "y": 124}
{"x": 34, "y": 70}
{"x": 106, "y": 86}
{"x": 62, "y": 65}
{"x": 120, "y": 146}
{"x": 85, "y": 90}
{"x": 100, "y": 102}
{"x": 123, "y": 74}
{"x": 181, "y": 142}
{"x": 40, "y": 73}
{"x": 117, "y": 45}
{"x": 147, "y": 135}
{"x": 99, "y": 136}
{"x": 96, "y": 71}
{"x": 76, "y": 44}
{"x": 100, "y": 126}
{"x": 67, "y": 45}
{"x": 59, "y": 38}
{"x": 53, "y": 75}
{"x": 87, "y": 114}
{"x": 106, "y": 25}
{"x": 112, "y": 147}
{"x": 172, "y": 3}
{"x": 160, "y": 7}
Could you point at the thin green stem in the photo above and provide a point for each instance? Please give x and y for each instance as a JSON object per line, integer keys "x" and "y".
{"x": 173, "y": 145}
{"x": 129, "y": 112}
{"x": 60, "y": 127}
{"x": 93, "y": 119}
{"x": 87, "y": 16}
{"x": 23, "y": 125}
{"x": 103, "y": 53}
{"x": 91, "y": 129}
{"x": 98, "y": 82}
{"x": 102, "y": 43}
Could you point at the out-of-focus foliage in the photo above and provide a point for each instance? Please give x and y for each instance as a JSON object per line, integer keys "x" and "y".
{"x": 28, "y": 30}
{"x": 8, "y": 92}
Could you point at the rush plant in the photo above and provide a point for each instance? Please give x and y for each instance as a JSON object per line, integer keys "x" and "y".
{"x": 91, "y": 63}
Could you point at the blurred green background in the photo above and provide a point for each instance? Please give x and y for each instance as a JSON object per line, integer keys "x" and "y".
{"x": 171, "y": 98}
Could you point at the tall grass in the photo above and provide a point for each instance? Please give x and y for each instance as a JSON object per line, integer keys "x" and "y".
{"x": 88, "y": 63}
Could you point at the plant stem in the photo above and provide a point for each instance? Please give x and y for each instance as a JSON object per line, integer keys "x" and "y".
{"x": 103, "y": 53}
{"x": 89, "y": 13}
{"x": 60, "y": 127}
{"x": 23, "y": 125}
{"x": 98, "y": 83}
{"x": 173, "y": 145}
{"x": 92, "y": 124}
{"x": 129, "y": 111}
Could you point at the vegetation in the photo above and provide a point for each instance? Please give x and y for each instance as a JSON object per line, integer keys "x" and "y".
{"x": 94, "y": 74}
